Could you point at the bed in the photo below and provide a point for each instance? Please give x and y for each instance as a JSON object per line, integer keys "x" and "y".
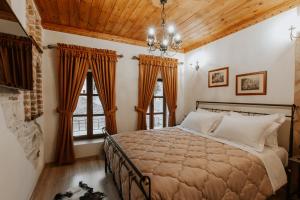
{"x": 177, "y": 163}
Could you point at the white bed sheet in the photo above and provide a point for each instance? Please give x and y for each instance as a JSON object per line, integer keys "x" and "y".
{"x": 273, "y": 164}
{"x": 282, "y": 154}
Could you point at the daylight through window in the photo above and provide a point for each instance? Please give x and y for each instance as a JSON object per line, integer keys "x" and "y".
{"x": 157, "y": 114}
{"x": 88, "y": 118}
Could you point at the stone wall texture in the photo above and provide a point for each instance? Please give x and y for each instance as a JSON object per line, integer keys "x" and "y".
{"x": 33, "y": 100}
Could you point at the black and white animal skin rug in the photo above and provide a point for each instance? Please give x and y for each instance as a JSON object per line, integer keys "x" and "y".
{"x": 82, "y": 192}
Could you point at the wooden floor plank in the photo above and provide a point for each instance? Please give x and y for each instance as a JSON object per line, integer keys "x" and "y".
{"x": 55, "y": 179}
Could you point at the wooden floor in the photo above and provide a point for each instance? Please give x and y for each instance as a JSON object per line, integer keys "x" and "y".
{"x": 55, "y": 179}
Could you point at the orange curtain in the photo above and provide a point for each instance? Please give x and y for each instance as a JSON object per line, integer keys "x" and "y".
{"x": 149, "y": 68}
{"x": 72, "y": 71}
{"x": 148, "y": 72}
{"x": 104, "y": 73}
{"x": 169, "y": 76}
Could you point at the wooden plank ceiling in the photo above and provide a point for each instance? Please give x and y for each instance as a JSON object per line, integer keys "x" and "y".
{"x": 6, "y": 13}
{"x": 198, "y": 21}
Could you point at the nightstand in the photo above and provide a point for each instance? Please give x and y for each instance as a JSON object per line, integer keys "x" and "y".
{"x": 294, "y": 164}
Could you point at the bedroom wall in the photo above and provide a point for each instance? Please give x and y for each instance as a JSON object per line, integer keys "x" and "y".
{"x": 126, "y": 84}
{"x": 264, "y": 46}
{"x": 21, "y": 144}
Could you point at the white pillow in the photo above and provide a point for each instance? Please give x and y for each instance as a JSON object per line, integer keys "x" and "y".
{"x": 245, "y": 131}
{"x": 204, "y": 122}
{"x": 202, "y": 110}
{"x": 272, "y": 131}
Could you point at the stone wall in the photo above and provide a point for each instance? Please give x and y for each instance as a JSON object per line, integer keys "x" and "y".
{"x": 33, "y": 100}
{"x": 28, "y": 134}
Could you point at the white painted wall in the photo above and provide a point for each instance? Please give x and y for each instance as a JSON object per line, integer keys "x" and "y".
{"x": 11, "y": 27}
{"x": 264, "y": 46}
{"x": 126, "y": 83}
{"x": 19, "y": 8}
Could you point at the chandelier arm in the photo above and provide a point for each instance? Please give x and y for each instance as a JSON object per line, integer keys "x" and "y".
{"x": 168, "y": 41}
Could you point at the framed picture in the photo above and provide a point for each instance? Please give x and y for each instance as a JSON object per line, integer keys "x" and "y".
{"x": 218, "y": 77}
{"x": 252, "y": 83}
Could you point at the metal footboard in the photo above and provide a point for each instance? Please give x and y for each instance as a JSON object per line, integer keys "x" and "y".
{"x": 134, "y": 174}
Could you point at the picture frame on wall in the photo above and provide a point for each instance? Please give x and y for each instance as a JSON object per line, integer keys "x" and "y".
{"x": 251, "y": 83}
{"x": 218, "y": 77}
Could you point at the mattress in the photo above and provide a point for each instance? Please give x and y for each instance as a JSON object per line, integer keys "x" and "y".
{"x": 183, "y": 165}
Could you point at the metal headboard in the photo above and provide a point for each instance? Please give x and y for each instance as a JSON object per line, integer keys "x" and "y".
{"x": 292, "y": 108}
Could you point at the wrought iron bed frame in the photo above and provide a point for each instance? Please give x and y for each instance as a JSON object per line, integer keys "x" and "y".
{"x": 144, "y": 182}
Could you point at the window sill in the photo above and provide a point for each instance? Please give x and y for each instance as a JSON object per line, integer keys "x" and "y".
{"x": 88, "y": 141}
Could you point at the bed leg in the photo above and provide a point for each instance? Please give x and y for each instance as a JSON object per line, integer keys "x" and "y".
{"x": 288, "y": 188}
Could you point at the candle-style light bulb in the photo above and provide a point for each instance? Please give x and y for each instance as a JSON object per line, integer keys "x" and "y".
{"x": 171, "y": 29}
{"x": 177, "y": 38}
{"x": 151, "y": 32}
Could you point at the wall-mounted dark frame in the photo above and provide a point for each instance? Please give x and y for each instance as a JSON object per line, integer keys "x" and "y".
{"x": 226, "y": 81}
{"x": 265, "y": 76}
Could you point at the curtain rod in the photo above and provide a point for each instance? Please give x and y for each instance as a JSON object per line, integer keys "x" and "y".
{"x": 137, "y": 58}
{"x": 53, "y": 46}
{"x": 36, "y": 44}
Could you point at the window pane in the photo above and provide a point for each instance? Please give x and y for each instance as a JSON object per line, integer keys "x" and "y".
{"x": 94, "y": 88}
{"x": 83, "y": 90}
{"x": 158, "y": 121}
{"x": 97, "y": 106}
{"x": 79, "y": 126}
{"x": 148, "y": 121}
{"x": 81, "y": 106}
{"x": 158, "y": 105}
{"x": 158, "y": 89}
{"x": 98, "y": 124}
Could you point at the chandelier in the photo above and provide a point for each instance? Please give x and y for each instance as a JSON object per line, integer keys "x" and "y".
{"x": 167, "y": 38}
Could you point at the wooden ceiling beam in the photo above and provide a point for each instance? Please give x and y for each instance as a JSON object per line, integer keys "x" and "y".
{"x": 94, "y": 34}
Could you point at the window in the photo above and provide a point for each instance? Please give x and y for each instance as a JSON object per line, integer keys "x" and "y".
{"x": 157, "y": 114}
{"x": 88, "y": 118}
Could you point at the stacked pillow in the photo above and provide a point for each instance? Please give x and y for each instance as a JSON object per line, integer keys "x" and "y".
{"x": 202, "y": 121}
{"x": 272, "y": 131}
{"x": 252, "y": 131}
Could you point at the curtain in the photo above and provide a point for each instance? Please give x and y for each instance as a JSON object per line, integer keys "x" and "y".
{"x": 72, "y": 71}
{"x": 103, "y": 64}
{"x": 169, "y": 76}
{"x": 15, "y": 61}
{"x": 148, "y": 72}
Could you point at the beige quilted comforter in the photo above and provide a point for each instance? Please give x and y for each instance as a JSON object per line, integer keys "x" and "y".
{"x": 183, "y": 165}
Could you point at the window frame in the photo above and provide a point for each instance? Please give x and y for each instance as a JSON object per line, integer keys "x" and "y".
{"x": 89, "y": 111}
{"x": 152, "y": 113}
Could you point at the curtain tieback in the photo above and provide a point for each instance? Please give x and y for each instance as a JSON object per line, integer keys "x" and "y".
{"x": 111, "y": 111}
{"x": 64, "y": 112}
{"x": 140, "y": 110}
{"x": 173, "y": 109}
